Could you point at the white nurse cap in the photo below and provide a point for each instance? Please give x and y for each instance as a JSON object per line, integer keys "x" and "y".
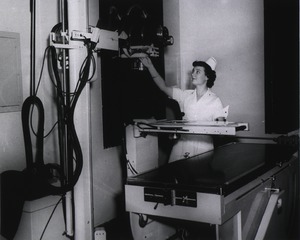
{"x": 212, "y": 62}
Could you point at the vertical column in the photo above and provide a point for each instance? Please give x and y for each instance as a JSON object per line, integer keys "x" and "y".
{"x": 78, "y": 20}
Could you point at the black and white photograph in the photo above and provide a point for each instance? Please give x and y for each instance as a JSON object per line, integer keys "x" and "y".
{"x": 149, "y": 120}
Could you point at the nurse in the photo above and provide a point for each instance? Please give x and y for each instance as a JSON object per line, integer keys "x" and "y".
{"x": 198, "y": 104}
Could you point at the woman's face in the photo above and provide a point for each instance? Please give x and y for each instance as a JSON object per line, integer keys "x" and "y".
{"x": 198, "y": 76}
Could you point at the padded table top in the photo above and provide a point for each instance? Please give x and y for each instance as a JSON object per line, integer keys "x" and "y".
{"x": 220, "y": 171}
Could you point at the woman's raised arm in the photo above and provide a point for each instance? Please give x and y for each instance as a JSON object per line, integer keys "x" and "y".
{"x": 159, "y": 81}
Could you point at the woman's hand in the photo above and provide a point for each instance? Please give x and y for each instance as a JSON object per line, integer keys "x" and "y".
{"x": 146, "y": 61}
{"x": 158, "y": 80}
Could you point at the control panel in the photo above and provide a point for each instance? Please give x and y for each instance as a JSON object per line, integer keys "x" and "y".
{"x": 170, "y": 197}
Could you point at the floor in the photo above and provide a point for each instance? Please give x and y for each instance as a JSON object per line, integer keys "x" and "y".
{"x": 119, "y": 229}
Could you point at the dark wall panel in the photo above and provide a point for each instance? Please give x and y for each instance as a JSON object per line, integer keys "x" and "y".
{"x": 128, "y": 93}
{"x": 282, "y": 65}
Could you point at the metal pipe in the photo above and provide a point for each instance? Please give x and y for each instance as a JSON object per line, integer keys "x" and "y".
{"x": 67, "y": 161}
{"x": 69, "y": 214}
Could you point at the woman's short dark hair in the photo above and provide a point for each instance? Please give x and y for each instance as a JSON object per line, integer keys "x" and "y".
{"x": 211, "y": 74}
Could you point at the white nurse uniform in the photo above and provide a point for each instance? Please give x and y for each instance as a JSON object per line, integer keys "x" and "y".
{"x": 205, "y": 109}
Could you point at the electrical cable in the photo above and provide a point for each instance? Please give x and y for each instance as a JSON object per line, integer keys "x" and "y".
{"x": 66, "y": 115}
{"x": 72, "y": 134}
{"x": 42, "y": 69}
{"x": 65, "y": 119}
{"x": 69, "y": 113}
{"x": 51, "y": 215}
{"x": 84, "y": 75}
{"x": 35, "y": 94}
{"x": 128, "y": 163}
{"x": 131, "y": 168}
{"x": 143, "y": 221}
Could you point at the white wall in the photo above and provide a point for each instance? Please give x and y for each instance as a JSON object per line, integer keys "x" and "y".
{"x": 232, "y": 32}
{"x": 172, "y": 53}
{"x": 15, "y": 17}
